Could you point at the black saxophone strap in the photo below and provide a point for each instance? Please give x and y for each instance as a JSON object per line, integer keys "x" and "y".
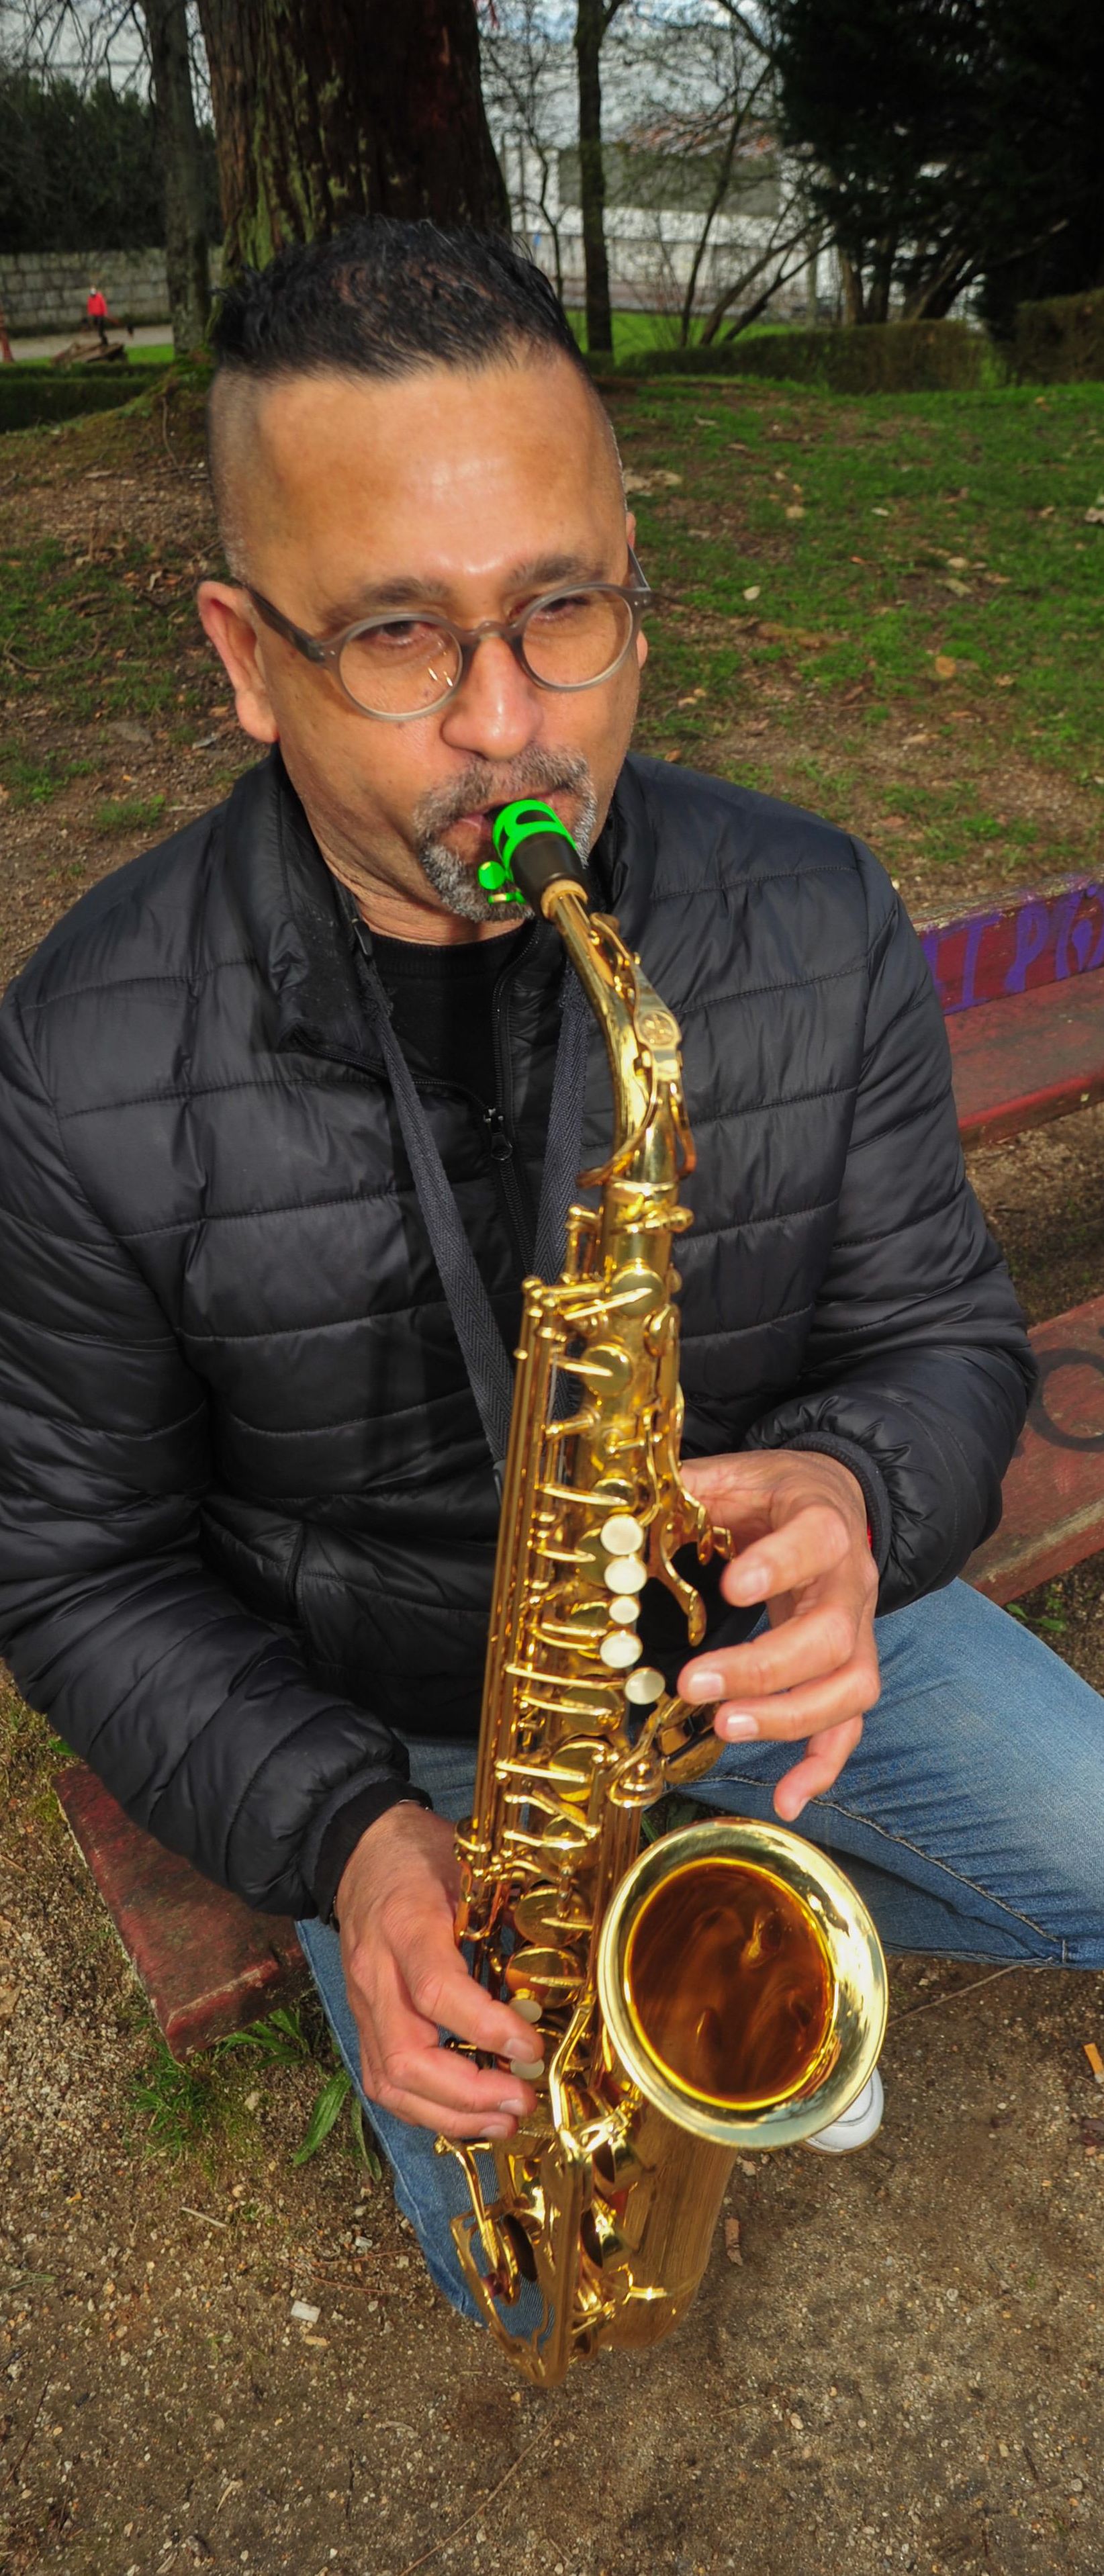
{"x": 486, "y": 1359}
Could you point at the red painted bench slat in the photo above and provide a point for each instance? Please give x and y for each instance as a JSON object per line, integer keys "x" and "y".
{"x": 208, "y": 1964}
{"x": 1028, "y": 1058}
{"x": 1054, "y": 1489}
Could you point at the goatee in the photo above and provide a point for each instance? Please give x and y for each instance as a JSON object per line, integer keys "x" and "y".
{"x": 455, "y": 881}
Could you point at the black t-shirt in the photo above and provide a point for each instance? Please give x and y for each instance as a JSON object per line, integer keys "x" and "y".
{"x": 442, "y": 1004}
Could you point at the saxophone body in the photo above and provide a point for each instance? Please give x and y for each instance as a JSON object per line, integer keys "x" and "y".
{"x": 721, "y": 1987}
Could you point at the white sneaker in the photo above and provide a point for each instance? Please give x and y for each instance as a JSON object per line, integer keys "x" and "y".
{"x": 857, "y": 2126}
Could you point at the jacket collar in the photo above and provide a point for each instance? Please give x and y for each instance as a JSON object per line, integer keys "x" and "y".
{"x": 298, "y": 926}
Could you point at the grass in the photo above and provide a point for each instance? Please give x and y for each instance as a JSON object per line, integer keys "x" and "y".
{"x": 33, "y": 781}
{"x": 918, "y": 560}
{"x": 83, "y": 639}
{"x": 633, "y": 331}
{"x": 190, "y": 2109}
{"x": 128, "y": 813}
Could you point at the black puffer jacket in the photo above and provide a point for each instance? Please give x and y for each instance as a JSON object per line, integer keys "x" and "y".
{"x": 248, "y": 1516}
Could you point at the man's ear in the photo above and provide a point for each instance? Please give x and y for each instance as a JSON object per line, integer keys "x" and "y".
{"x": 227, "y": 627}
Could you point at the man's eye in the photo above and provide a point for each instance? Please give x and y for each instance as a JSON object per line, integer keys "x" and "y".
{"x": 561, "y": 610}
{"x": 400, "y": 635}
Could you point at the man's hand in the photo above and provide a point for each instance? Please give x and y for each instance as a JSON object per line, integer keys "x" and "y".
{"x": 405, "y": 1978}
{"x": 799, "y": 1521}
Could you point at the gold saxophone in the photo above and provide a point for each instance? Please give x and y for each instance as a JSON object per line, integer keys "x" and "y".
{"x": 724, "y": 1987}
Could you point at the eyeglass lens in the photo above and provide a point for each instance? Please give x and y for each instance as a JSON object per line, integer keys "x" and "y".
{"x": 408, "y": 665}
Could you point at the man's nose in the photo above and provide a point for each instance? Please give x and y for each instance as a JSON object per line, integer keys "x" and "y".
{"x": 496, "y": 709}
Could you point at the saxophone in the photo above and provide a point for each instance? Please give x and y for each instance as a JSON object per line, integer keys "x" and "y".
{"x": 723, "y": 1987}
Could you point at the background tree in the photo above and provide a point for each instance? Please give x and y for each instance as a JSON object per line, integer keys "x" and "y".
{"x": 82, "y": 169}
{"x": 593, "y": 19}
{"x": 181, "y": 156}
{"x": 328, "y": 109}
{"x": 731, "y": 224}
{"x": 947, "y": 141}
{"x": 524, "y": 84}
{"x": 1044, "y": 159}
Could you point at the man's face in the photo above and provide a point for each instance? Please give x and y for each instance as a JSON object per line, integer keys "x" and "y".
{"x": 467, "y": 494}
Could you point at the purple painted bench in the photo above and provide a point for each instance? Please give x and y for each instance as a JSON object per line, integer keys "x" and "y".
{"x": 1022, "y": 989}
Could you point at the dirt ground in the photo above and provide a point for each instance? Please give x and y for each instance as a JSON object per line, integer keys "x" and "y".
{"x": 902, "y": 2370}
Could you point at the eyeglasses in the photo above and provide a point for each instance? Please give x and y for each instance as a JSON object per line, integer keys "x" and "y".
{"x": 398, "y": 668}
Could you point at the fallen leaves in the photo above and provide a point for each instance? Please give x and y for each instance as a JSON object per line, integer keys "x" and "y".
{"x": 655, "y": 479}
{"x": 945, "y": 666}
{"x": 732, "y": 2240}
{"x": 1094, "y": 517}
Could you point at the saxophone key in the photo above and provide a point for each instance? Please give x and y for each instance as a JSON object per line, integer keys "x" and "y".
{"x": 550, "y": 1976}
{"x": 619, "y": 1650}
{"x": 625, "y": 1574}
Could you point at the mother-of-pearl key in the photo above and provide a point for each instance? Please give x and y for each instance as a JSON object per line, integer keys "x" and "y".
{"x": 621, "y": 1535}
{"x": 625, "y": 1574}
{"x": 527, "y": 2008}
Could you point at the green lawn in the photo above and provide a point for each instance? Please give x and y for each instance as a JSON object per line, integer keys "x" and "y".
{"x": 633, "y": 331}
{"x": 862, "y": 574}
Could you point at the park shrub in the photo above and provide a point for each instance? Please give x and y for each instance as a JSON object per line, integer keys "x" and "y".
{"x": 1060, "y": 341}
{"x": 30, "y": 395}
{"x": 862, "y": 358}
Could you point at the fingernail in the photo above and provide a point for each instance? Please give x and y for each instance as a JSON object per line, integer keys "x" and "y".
{"x": 497, "y": 2129}
{"x": 514, "y": 2102}
{"x": 529, "y": 2067}
{"x": 736, "y": 1722}
{"x": 705, "y": 1685}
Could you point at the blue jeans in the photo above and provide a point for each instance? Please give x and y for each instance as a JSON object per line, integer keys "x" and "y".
{"x": 970, "y": 1817}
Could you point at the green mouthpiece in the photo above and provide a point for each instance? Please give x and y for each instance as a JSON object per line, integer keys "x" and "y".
{"x": 533, "y": 848}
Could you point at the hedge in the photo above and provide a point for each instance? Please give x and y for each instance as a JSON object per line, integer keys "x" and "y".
{"x": 863, "y": 358}
{"x": 30, "y": 394}
{"x": 1060, "y": 342}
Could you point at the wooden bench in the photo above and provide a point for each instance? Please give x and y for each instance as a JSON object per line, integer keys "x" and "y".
{"x": 1022, "y": 988}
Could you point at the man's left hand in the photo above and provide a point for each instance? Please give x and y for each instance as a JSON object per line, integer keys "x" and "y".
{"x": 799, "y": 1522}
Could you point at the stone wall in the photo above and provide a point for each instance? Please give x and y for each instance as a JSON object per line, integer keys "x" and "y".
{"x": 48, "y": 290}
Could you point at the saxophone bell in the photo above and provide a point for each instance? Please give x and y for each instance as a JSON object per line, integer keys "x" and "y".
{"x": 742, "y": 1983}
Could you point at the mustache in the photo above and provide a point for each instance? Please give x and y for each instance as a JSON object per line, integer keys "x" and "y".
{"x": 536, "y": 773}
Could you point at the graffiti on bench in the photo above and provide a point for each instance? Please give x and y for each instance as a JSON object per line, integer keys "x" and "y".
{"x": 1042, "y": 938}
{"x": 1086, "y": 1404}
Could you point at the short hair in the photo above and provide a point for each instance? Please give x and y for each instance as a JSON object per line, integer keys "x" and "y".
{"x": 384, "y": 298}
{"x": 388, "y": 298}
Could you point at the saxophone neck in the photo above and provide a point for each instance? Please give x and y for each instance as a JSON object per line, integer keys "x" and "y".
{"x": 642, "y": 1035}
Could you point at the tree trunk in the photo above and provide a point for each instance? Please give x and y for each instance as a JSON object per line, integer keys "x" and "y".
{"x": 852, "y": 284}
{"x": 591, "y": 20}
{"x": 330, "y": 109}
{"x": 178, "y": 136}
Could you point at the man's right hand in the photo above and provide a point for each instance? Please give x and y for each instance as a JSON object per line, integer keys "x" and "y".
{"x": 396, "y": 1902}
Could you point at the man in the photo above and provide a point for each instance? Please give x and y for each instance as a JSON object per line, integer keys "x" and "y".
{"x": 249, "y": 1511}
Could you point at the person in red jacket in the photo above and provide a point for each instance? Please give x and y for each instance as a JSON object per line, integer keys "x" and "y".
{"x": 97, "y": 311}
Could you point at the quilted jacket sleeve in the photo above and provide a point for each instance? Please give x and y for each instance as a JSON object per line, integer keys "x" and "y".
{"x": 201, "y": 1719}
{"x": 918, "y": 1368}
